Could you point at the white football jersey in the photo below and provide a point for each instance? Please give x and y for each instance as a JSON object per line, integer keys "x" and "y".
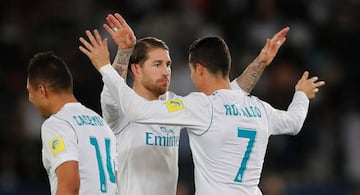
{"x": 228, "y": 131}
{"x": 147, "y": 154}
{"x": 76, "y": 133}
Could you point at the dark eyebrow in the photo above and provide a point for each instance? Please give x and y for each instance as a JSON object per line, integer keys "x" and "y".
{"x": 160, "y": 61}
{"x": 157, "y": 61}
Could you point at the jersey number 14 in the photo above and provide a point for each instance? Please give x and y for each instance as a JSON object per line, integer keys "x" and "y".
{"x": 109, "y": 163}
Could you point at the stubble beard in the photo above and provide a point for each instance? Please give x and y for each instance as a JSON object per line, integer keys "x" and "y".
{"x": 158, "y": 90}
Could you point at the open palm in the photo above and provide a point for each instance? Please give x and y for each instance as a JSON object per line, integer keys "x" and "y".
{"x": 120, "y": 31}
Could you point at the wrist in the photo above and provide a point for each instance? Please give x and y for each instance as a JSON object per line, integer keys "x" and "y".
{"x": 125, "y": 51}
{"x": 259, "y": 64}
{"x": 123, "y": 56}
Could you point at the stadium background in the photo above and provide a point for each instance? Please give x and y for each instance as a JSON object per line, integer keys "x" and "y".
{"x": 324, "y": 38}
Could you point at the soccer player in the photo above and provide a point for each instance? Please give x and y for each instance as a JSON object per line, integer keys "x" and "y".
{"x": 79, "y": 149}
{"x": 150, "y": 66}
{"x": 150, "y": 63}
{"x": 228, "y": 130}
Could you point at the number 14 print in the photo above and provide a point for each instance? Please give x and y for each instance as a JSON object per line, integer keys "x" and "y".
{"x": 109, "y": 164}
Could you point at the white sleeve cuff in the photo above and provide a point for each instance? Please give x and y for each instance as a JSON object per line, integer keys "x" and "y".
{"x": 301, "y": 95}
{"x": 106, "y": 68}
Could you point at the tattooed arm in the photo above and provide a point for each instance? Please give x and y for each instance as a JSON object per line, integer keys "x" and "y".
{"x": 248, "y": 79}
{"x": 124, "y": 38}
{"x": 121, "y": 61}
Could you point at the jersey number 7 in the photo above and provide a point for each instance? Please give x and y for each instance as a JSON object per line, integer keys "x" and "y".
{"x": 249, "y": 134}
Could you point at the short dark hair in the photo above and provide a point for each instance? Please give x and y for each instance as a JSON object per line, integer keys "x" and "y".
{"x": 142, "y": 48}
{"x": 47, "y": 68}
{"x": 213, "y": 53}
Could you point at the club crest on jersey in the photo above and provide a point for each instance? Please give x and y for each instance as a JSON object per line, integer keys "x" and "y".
{"x": 56, "y": 145}
{"x": 174, "y": 105}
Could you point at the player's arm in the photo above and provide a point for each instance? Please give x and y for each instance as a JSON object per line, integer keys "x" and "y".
{"x": 68, "y": 178}
{"x": 191, "y": 111}
{"x": 60, "y": 152}
{"x": 251, "y": 75}
{"x": 110, "y": 110}
{"x": 125, "y": 39}
{"x": 291, "y": 121}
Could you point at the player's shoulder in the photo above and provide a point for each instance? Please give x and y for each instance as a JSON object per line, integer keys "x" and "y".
{"x": 171, "y": 95}
{"x": 75, "y": 108}
{"x": 196, "y": 99}
{"x": 196, "y": 95}
{"x": 54, "y": 124}
{"x": 168, "y": 95}
{"x": 222, "y": 93}
{"x": 67, "y": 113}
{"x": 225, "y": 95}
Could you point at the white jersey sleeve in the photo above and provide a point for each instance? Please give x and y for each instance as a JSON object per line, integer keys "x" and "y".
{"x": 56, "y": 134}
{"x": 111, "y": 111}
{"x": 290, "y": 121}
{"x": 193, "y": 111}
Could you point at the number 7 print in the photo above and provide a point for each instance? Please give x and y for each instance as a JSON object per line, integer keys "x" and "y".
{"x": 250, "y": 134}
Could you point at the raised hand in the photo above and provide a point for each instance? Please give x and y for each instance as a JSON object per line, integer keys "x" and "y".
{"x": 97, "y": 50}
{"x": 310, "y": 86}
{"x": 120, "y": 31}
{"x": 248, "y": 79}
{"x": 272, "y": 46}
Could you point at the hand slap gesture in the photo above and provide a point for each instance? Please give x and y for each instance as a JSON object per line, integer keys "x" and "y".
{"x": 97, "y": 50}
{"x": 272, "y": 46}
{"x": 120, "y": 31}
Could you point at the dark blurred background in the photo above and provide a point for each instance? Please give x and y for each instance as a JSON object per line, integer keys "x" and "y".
{"x": 324, "y": 38}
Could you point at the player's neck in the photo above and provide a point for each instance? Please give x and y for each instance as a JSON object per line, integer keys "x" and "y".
{"x": 149, "y": 95}
{"x": 213, "y": 84}
{"x": 58, "y": 101}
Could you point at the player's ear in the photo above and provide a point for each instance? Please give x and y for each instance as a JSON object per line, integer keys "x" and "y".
{"x": 199, "y": 68}
{"x": 44, "y": 91}
{"x": 135, "y": 69}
